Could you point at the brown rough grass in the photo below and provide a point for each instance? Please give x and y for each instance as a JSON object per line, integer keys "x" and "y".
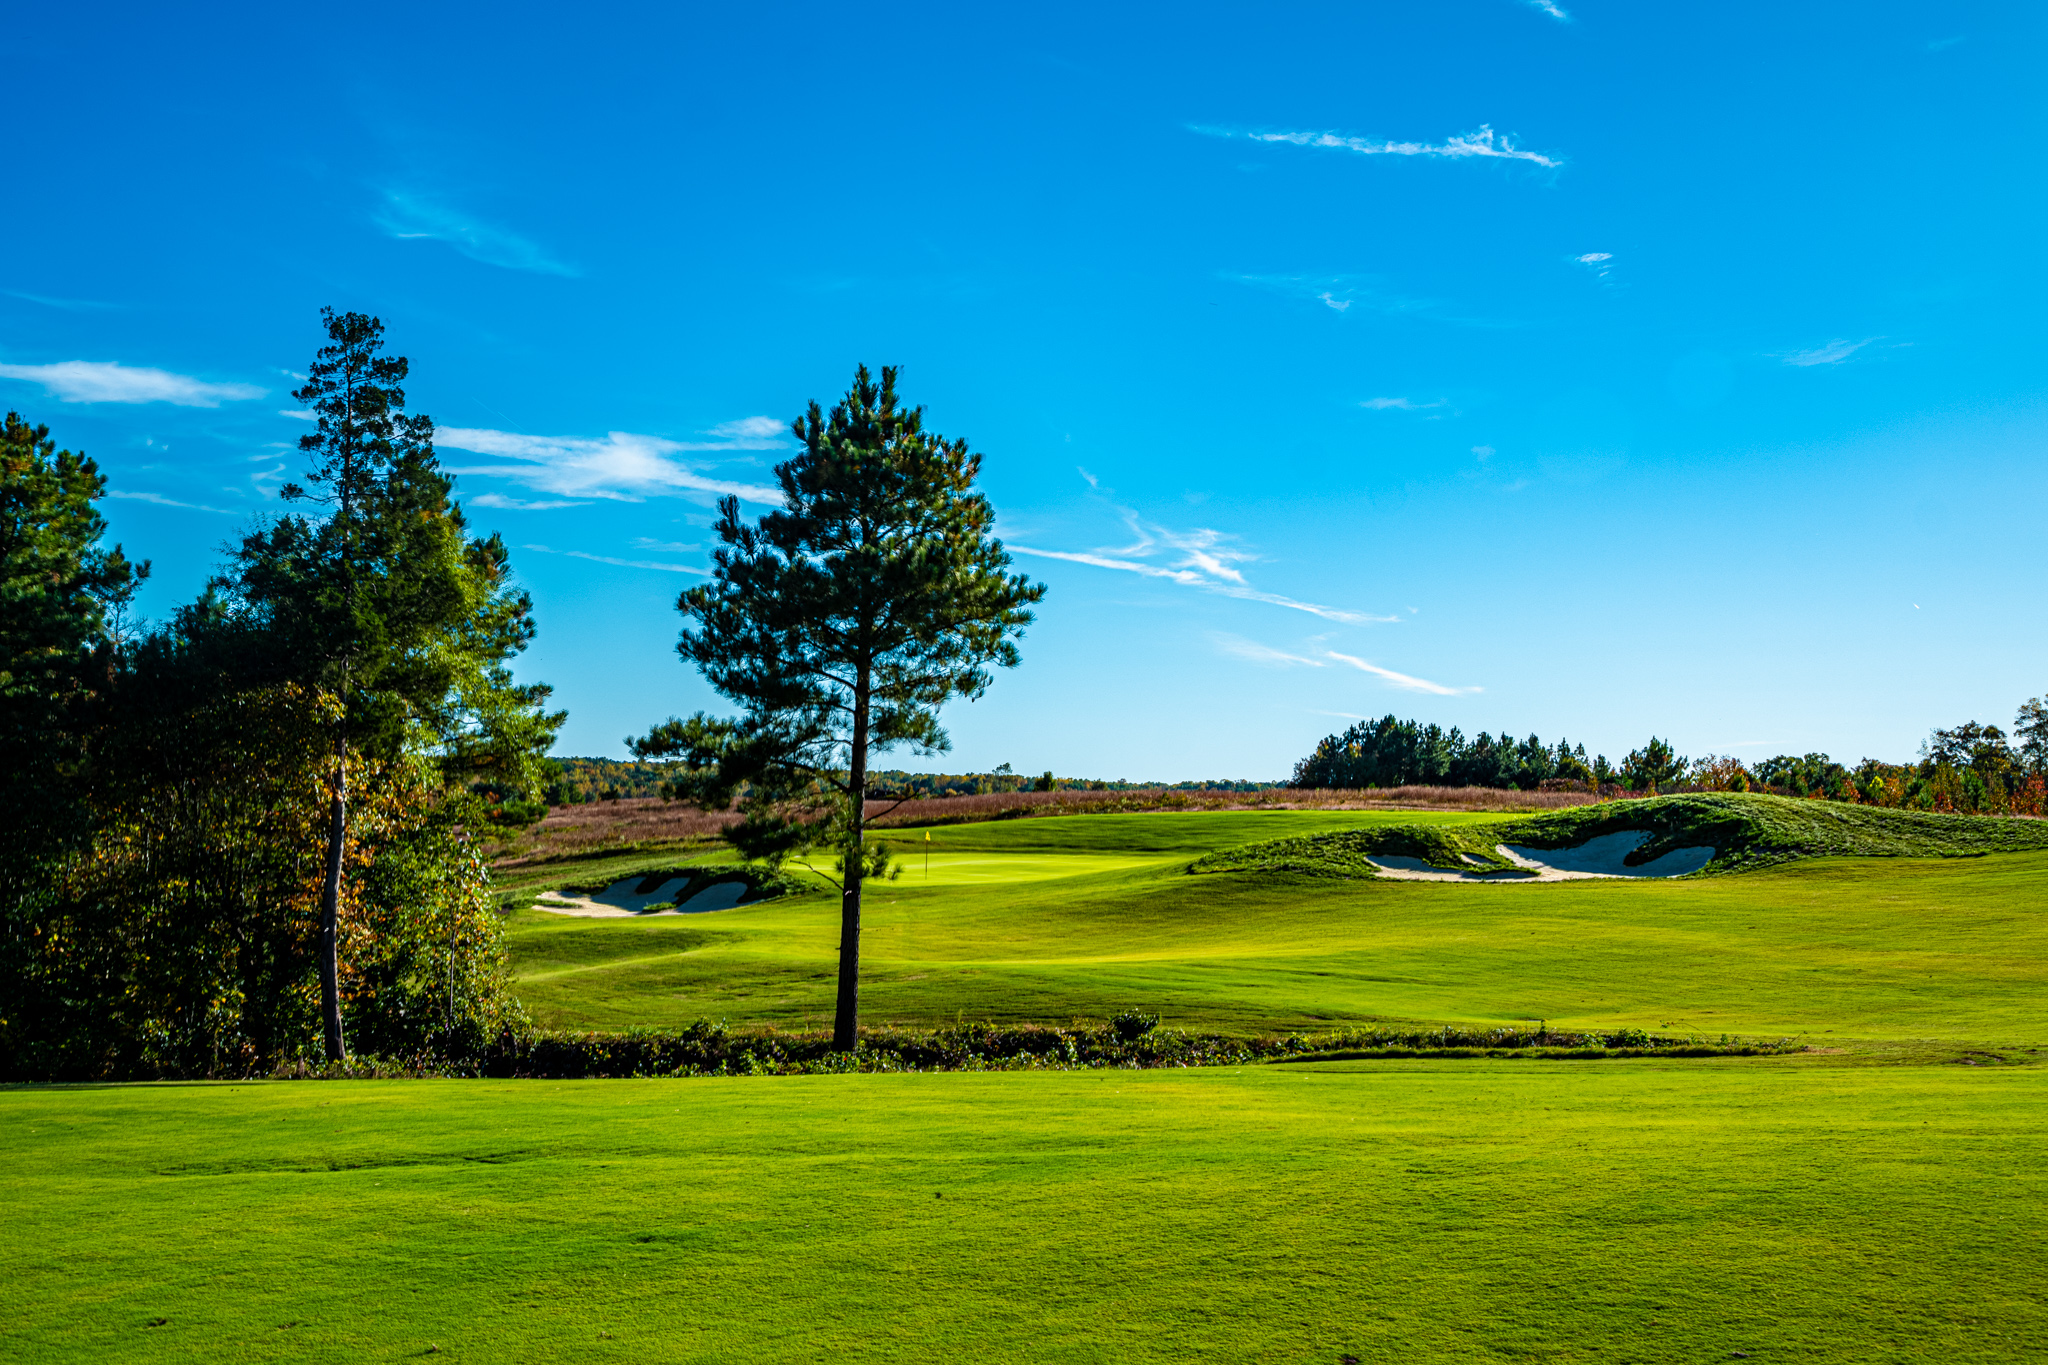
{"x": 570, "y": 832}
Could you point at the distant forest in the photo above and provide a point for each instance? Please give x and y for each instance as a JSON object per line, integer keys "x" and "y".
{"x": 1971, "y": 769}
{"x": 579, "y": 780}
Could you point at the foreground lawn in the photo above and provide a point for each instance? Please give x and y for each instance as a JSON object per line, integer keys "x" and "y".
{"x": 1012, "y": 928}
{"x": 1398, "y": 1212}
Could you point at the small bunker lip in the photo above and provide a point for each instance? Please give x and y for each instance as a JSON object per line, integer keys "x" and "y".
{"x": 1404, "y": 868}
{"x": 1601, "y": 858}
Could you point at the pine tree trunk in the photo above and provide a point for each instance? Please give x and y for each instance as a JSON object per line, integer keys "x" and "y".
{"x": 330, "y": 911}
{"x": 846, "y": 1016}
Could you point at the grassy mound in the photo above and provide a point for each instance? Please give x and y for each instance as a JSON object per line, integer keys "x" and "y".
{"x": 1745, "y": 831}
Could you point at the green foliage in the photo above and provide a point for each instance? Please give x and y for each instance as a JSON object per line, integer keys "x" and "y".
{"x": 387, "y": 604}
{"x": 62, "y": 593}
{"x": 60, "y": 587}
{"x": 202, "y": 891}
{"x": 2030, "y": 728}
{"x": 181, "y": 941}
{"x": 1131, "y": 1040}
{"x": 574, "y": 781}
{"x": 387, "y": 601}
{"x": 840, "y": 624}
{"x": 1390, "y": 752}
{"x": 1653, "y": 767}
{"x": 1132, "y": 1025}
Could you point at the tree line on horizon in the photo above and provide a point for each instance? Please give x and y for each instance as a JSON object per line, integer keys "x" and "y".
{"x": 1970, "y": 769}
{"x": 571, "y": 781}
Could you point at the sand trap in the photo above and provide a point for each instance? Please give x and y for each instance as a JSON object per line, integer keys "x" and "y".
{"x": 620, "y": 901}
{"x": 1601, "y": 857}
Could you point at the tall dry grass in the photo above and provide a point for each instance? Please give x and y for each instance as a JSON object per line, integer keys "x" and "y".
{"x": 583, "y": 830}
{"x": 1012, "y": 805}
{"x": 568, "y": 832}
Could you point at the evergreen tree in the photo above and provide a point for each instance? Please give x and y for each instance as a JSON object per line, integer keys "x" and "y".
{"x": 386, "y": 603}
{"x": 840, "y": 624}
{"x": 1645, "y": 769}
{"x": 59, "y": 587}
{"x": 2030, "y": 728}
{"x": 61, "y": 592}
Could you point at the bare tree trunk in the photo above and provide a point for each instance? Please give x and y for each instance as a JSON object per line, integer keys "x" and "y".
{"x": 330, "y": 909}
{"x": 846, "y": 1014}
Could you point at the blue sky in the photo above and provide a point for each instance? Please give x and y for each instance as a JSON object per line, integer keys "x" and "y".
{"x": 1593, "y": 369}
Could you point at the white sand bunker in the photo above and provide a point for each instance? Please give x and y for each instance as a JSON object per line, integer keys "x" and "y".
{"x": 620, "y": 900}
{"x": 1601, "y": 857}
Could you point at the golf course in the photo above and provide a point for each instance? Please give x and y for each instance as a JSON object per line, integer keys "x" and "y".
{"x": 1872, "y": 1194}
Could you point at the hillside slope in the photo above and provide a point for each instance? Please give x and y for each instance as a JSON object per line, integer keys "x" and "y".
{"x": 1745, "y": 831}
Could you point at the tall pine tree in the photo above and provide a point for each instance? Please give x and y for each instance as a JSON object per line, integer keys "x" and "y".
{"x": 840, "y": 624}
{"x": 386, "y": 603}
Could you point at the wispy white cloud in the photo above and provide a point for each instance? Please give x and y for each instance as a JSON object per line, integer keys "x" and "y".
{"x": 620, "y": 563}
{"x": 1254, "y": 652}
{"x": 1401, "y": 680}
{"x": 1200, "y": 558}
{"x": 95, "y": 381}
{"x": 1274, "y": 599}
{"x": 748, "y": 433}
{"x": 161, "y": 501}
{"x": 1399, "y": 405}
{"x": 299, "y": 414}
{"x": 1339, "y": 292}
{"x": 410, "y": 216}
{"x": 621, "y": 465}
{"x": 522, "y": 505}
{"x": 68, "y": 305}
{"x": 1834, "y": 353}
{"x": 1551, "y": 9}
{"x": 1601, "y": 263}
{"x": 1482, "y": 143}
{"x": 1187, "y": 576}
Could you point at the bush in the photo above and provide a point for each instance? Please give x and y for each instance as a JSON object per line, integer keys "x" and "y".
{"x": 1130, "y": 1026}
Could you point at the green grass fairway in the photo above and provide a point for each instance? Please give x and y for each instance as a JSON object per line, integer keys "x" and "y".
{"x": 1399, "y": 1212}
{"x": 1163, "y": 832}
{"x": 1844, "y": 949}
{"x": 946, "y": 868}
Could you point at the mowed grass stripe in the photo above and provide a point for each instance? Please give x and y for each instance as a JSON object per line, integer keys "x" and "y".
{"x": 1419, "y": 1212}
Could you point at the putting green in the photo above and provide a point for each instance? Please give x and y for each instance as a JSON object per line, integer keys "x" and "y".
{"x": 1420, "y": 1212}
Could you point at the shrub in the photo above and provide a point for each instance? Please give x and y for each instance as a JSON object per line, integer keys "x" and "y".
{"x": 1130, "y": 1026}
